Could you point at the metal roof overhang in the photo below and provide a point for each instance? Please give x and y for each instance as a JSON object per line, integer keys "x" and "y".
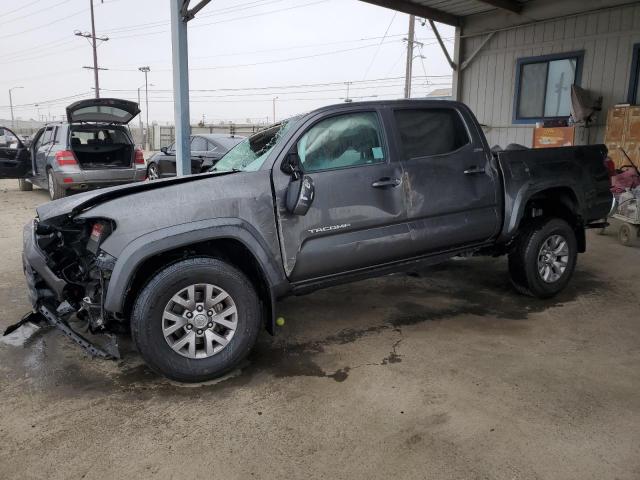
{"x": 450, "y": 12}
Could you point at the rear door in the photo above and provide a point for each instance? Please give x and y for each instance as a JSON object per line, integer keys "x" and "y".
{"x": 452, "y": 183}
{"x": 42, "y": 147}
{"x": 15, "y": 159}
{"x": 199, "y": 147}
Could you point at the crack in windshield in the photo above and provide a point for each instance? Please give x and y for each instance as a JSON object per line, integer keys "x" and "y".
{"x": 250, "y": 154}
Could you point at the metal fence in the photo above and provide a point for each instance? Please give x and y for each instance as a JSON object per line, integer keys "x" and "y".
{"x": 164, "y": 135}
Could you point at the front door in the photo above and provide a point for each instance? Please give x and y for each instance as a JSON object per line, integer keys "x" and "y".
{"x": 15, "y": 160}
{"x": 451, "y": 182}
{"x": 357, "y": 218}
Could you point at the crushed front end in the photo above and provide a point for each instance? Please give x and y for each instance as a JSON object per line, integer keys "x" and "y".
{"x": 67, "y": 276}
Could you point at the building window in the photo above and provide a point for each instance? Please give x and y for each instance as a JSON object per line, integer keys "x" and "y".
{"x": 634, "y": 82}
{"x": 543, "y": 86}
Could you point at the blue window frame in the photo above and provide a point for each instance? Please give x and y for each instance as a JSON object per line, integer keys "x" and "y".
{"x": 634, "y": 82}
{"x": 543, "y": 86}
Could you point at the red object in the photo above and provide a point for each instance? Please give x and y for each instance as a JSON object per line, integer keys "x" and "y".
{"x": 139, "y": 157}
{"x": 96, "y": 231}
{"x": 611, "y": 166}
{"x": 67, "y": 180}
{"x": 628, "y": 179}
{"x": 65, "y": 157}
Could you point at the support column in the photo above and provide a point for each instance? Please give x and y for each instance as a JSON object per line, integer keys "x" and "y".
{"x": 180, "y": 61}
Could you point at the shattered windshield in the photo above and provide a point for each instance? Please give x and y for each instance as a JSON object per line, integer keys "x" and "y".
{"x": 250, "y": 154}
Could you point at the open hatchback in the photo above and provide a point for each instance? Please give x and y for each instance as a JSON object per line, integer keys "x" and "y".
{"x": 102, "y": 110}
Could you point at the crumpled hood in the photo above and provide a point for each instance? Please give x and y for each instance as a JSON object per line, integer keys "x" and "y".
{"x": 80, "y": 202}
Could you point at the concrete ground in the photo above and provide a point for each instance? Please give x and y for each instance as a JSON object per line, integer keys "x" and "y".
{"x": 448, "y": 376}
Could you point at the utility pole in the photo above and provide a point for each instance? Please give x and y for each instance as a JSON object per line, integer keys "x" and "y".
{"x": 348, "y": 99}
{"x": 11, "y": 106}
{"x": 94, "y": 46}
{"x": 274, "y": 108}
{"x": 410, "y": 42}
{"x": 146, "y": 70}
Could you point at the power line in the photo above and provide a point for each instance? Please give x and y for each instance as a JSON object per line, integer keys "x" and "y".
{"x": 33, "y": 13}
{"x": 379, "y": 45}
{"x": 20, "y": 8}
{"x": 223, "y": 11}
{"x": 224, "y": 21}
{"x": 48, "y": 24}
{"x": 266, "y": 62}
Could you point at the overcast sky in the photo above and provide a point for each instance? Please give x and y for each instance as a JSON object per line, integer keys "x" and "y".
{"x": 236, "y": 49}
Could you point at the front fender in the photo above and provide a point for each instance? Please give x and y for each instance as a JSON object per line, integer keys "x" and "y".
{"x": 166, "y": 239}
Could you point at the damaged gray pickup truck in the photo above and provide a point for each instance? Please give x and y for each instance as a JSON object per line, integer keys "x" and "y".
{"x": 194, "y": 266}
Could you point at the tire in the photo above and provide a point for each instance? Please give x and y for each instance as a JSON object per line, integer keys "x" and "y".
{"x": 149, "y": 319}
{"x": 152, "y": 172}
{"x": 24, "y": 186}
{"x": 55, "y": 190}
{"x": 527, "y": 258}
{"x": 628, "y": 235}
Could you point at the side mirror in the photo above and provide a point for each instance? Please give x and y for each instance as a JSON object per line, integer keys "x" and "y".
{"x": 164, "y": 150}
{"x": 300, "y": 195}
{"x": 291, "y": 165}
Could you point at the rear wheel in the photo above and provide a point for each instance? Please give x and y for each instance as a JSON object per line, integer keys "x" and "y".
{"x": 24, "y": 186}
{"x": 196, "y": 320}
{"x": 152, "y": 172}
{"x": 55, "y": 190}
{"x": 543, "y": 258}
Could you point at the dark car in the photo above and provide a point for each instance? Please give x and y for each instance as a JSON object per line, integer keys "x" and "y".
{"x": 195, "y": 265}
{"x": 206, "y": 150}
{"x": 92, "y": 149}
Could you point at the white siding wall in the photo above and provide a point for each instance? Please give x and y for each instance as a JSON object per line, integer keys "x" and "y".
{"x": 607, "y": 38}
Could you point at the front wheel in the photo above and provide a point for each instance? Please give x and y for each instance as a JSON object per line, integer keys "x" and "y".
{"x": 196, "y": 320}
{"x": 543, "y": 259}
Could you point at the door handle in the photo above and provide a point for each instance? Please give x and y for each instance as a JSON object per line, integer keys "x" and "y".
{"x": 386, "y": 182}
{"x": 474, "y": 170}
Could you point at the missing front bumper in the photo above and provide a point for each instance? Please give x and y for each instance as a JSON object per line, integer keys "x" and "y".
{"x": 109, "y": 350}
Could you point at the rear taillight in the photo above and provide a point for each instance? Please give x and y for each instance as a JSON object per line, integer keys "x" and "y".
{"x": 65, "y": 157}
{"x": 139, "y": 157}
{"x": 611, "y": 166}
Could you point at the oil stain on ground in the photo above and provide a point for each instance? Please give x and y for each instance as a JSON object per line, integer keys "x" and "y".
{"x": 474, "y": 293}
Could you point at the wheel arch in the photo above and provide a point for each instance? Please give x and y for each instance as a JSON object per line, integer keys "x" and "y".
{"x": 234, "y": 243}
{"x": 561, "y": 202}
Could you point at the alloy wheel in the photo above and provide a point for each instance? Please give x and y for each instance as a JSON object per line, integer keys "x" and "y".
{"x": 553, "y": 258}
{"x": 199, "y": 321}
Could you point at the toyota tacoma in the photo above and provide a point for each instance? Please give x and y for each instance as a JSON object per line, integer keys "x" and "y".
{"x": 193, "y": 266}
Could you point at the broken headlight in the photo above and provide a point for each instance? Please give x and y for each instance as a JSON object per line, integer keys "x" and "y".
{"x": 99, "y": 232}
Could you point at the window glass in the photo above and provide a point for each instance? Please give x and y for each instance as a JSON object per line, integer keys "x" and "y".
{"x": 343, "y": 141}
{"x": 93, "y": 136}
{"x": 430, "y": 131}
{"x": 59, "y": 133}
{"x": 545, "y": 87}
{"x": 251, "y": 153}
{"x": 47, "y": 136}
{"x": 8, "y": 139}
{"x": 532, "y": 84}
{"x": 562, "y": 74}
{"x": 198, "y": 144}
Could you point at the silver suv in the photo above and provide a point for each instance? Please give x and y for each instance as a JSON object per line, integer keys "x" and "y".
{"x": 93, "y": 149}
